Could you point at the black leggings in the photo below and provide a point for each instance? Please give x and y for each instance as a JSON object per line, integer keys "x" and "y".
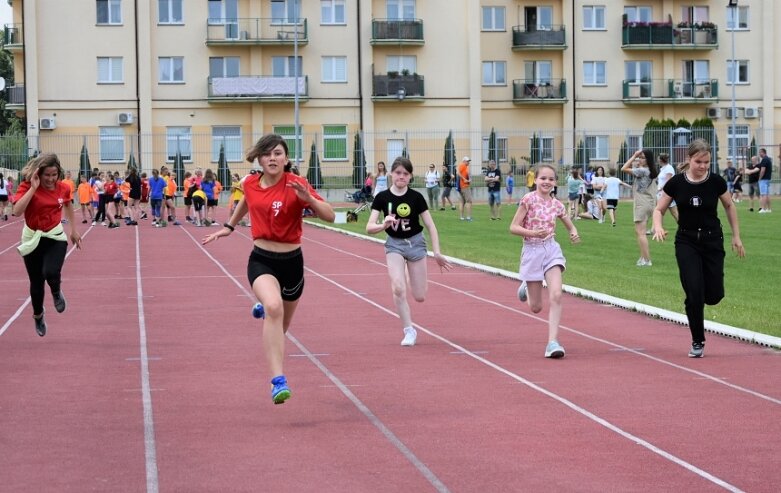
{"x": 101, "y": 215}
{"x": 44, "y": 264}
{"x": 700, "y": 256}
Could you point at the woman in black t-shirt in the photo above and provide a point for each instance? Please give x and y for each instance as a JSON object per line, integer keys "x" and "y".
{"x": 405, "y": 247}
{"x": 699, "y": 242}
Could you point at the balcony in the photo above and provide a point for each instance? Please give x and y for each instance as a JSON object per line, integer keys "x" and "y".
{"x": 675, "y": 91}
{"x": 253, "y": 31}
{"x": 12, "y": 37}
{"x": 663, "y": 36}
{"x": 393, "y": 87}
{"x": 15, "y": 97}
{"x": 397, "y": 32}
{"x": 536, "y": 38}
{"x": 530, "y": 91}
{"x": 261, "y": 88}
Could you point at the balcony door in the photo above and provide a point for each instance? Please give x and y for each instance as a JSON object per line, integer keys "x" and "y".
{"x": 638, "y": 76}
{"x": 225, "y": 12}
{"x": 696, "y": 78}
{"x": 285, "y": 11}
{"x": 395, "y": 148}
{"x": 538, "y": 18}
{"x": 228, "y": 66}
{"x": 285, "y": 66}
{"x": 400, "y": 10}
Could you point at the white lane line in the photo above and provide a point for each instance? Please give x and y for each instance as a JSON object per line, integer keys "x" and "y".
{"x": 615, "y": 346}
{"x": 373, "y": 419}
{"x": 10, "y": 247}
{"x": 11, "y": 223}
{"x": 150, "y": 452}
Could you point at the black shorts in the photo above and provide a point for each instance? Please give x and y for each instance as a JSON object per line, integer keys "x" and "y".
{"x": 198, "y": 203}
{"x": 211, "y": 202}
{"x": 612, "y": 203}
{"x": 169, "y": 197}
{"x": 286, "y": 267}
{"x": 188, "y": 201}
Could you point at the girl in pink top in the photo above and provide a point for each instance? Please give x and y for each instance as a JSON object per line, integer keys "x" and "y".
{"x": 541, "y": 257}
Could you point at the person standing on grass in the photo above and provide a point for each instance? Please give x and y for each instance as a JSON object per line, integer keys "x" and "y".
{"x": 613, "y": 193}
{"x": 493, "y": 180}
{"x": 765, "y": 173}
{"x": 574, "y": 183}
{"x": 737, "y": 185}
{"x": 541, "y": 256}
{"x": 464, "y": 188}
{"x": 509, "y": 184}
{"x": 447, "y": 186}
{"x": 405, "y": 247}
{"x": 666, "y": 171}
{"x": 432, "y": 186}
{"x": 699, "y": 241}
{"x": 41, "y": 198}
{"x": 380, "y": 179}
{"x": 275, "y": 199}
{"x": 642, "y": 166}
{"x": 753, "y": 182}
{"x": 598, "y": 184}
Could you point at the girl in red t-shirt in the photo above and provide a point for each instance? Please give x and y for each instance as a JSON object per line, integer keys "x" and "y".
{"x": 275, "y": 199}
{"x": 41, "y": 197}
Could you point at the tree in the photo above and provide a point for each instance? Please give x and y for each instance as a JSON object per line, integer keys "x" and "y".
{"x": 359, "y": 162}
{"x": 622, "y": 154}
{"x": 535, "y": 155}
{"x": 9, "y": 122}
{"x": 449, "y": 159}
{"x": 582, "y": 156}
{"x": 492, "y": 147}
{"x": 313, "y": 174}
{"x": 223, "y": 171}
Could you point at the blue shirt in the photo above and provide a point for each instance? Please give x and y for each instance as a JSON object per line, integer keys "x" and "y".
{"x": 208, "y": 189}
{"x": 156, "y": 188}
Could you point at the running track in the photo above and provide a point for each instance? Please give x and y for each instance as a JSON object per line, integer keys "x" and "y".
{"x": 154, "y": 380}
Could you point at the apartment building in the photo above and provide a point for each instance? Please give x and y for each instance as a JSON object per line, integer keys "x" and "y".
{"x": 157, "y": 77}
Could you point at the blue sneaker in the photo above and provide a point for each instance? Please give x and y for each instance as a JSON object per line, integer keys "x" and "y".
{"x": 280, "y": 392}
{"x": 554, "y": 350}
{"x": 523, "y": 293}
{"x": 258, "y": 311}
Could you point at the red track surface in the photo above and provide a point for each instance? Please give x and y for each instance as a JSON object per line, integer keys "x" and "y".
{"x": 473, "y": 407}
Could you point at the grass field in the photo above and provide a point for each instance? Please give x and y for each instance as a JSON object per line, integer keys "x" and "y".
{"x": 605, "y": 259}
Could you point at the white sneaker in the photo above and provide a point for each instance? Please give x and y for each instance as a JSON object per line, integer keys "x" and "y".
{"x": 410, "y": 335}
{"x": 554, "y": 350}
{"x": 94, "y": 223}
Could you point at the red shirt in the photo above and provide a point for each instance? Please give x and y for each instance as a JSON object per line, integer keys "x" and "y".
{"x": 276, "y": 211}
{"x": 44, "y": 211}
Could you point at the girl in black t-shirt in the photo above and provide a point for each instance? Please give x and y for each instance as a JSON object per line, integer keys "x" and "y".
{"x": 405, "y": 247}
{"x": 699, "y": 242}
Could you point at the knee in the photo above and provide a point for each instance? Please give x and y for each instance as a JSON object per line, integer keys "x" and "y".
{"x": 420, "y": 297}
{"x": 535, "y": 307}
{"x": 398, "y": 289}
{"x": 713, "y": 299}
{"x": 555, "y": 296}
{"x": 274, "y": 308}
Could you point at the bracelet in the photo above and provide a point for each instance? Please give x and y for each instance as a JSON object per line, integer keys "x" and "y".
{"x": 226, "y": 225}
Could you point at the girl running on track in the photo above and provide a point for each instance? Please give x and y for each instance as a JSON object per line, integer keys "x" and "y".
{"x": 405, "y": 246}
{"x": 275, "y": 199}
{"x": 699, "y": 242}
{"x": 541, "y": 257}
{"x": 41, "y": 197}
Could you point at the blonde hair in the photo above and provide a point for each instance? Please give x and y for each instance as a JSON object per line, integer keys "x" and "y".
{"x": 696, "y": 146}
{"x": 40, "y": 162}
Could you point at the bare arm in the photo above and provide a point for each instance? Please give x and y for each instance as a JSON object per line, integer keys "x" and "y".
{"x": 434, "y": 235}
{"x": 627, "y": 167}
{"x": 732, "y": 217}
{"x": 373, "y": 227}
{"x": 662, "y": 204}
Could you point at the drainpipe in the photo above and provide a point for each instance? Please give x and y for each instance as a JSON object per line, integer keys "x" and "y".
{"x": 138, "y": 89}
{"x": 360, "y": 68}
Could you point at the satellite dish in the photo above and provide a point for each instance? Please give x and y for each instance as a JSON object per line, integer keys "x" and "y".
{"x": 2, "y": 83}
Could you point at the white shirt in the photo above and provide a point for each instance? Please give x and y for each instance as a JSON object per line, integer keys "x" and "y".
{"x": 432, "y": 179}
{"x": 667, "y": 169}
{"x": 613, "y": 188}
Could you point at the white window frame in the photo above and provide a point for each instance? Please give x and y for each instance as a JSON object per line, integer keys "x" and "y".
{"x": 494, "y": 19}
{"x": 113, "y": 12}
{"x": 230, "y": 66}
{"x": 742, "y": 64}
{"x": 231, "y": 136}
{"x": 590, "y": 18}
{"x": 399, "y": 63}
{"x": 184, "y": 136}
{"x": 169, "y": 63}
{"x": 594, "y": 79}
{"x": 742, "y": 136}
{"x": 546, "y": 148}
{"x": 743, "y": 18}
{"x": 166, "y": 12}
{"x": 633, "y": 142}
{"x": 334, "y": 69}
{"x": 287, "y": 16}
{"x": 110, "y": 136}
{"x": 502, "y": 147}
{"x": 295, "y": 148}
{"x": 638, "y": 13}
{"x": 335, "y": 137}
{"x": 333, "y": 12}
{"x": 541, "y": 71}
{"x": 695, "y": 14}
{"x": 600, "y": 149}
{"x": 111, "y": 70}
{"x": 544, "y": 18}
{"x": 491, "y": 75}
{"x": 289, "y": 69}
{"x": 400, "y": 10}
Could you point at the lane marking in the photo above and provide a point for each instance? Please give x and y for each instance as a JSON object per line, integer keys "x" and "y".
{"x": 10, "y": 247}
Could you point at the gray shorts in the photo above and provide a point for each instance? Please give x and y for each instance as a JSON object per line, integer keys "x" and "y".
{"x": 537, "y": 258}
{"x": 412, "y": 249}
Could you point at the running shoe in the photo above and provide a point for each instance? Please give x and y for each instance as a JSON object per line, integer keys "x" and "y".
{"x": 554, "y": 350}
{"x": 280, "y": 392}
{"x": 410, "y": 336}
{"x": 40, "y": 325}
{"x": 59, "y": 302}
{"x": 258, "y": 311}
{"x": 523, "y": 292}
{"x": 696, "y": 350}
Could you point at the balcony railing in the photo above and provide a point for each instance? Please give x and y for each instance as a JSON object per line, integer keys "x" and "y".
{"x": 398, "y": 87}
{"x": 539, "y": 38}
{"x": 659, "y": 35}
{"x": 671, "y": 91}
{"x": 12, "y": 37}
{"x": 535, "y": 91}
{"x": 256, "y": 31}
{"x": 397, "y": 31}
{"x": 257, "y": 88}
{"x": 15, "y": 96}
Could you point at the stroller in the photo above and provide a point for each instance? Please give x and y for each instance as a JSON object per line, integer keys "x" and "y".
{"x": 363, "y": 198}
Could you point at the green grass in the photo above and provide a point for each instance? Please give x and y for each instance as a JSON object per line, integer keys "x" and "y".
{"x": 605, "y": 259}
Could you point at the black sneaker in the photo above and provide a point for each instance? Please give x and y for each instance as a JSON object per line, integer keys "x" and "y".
{"x": 696, "y": 350}
{"x": 40, "y": 325}
{"x": 59, "y": 302}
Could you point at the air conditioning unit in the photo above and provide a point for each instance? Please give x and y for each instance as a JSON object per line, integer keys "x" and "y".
{"x": 47, "y": 124}
{"x": 714, "y": 113}
{"x": 750, "y": 112}
{"x": 728, "y": 112}
{"x": 125, "y": 118}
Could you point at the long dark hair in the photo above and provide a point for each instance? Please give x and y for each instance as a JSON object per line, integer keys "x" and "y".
{"x": 651, "y": 163}
{"x": 2, "y": 181}
{"x": 265, "y": 145}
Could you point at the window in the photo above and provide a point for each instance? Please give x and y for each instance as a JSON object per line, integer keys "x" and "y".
{"x": 694, "y": 14}
{"x": 399, "y": 63}
{"x": 596, "y": 145}
{"x": 400, "y": 9}
{"x": 594, "y": 73}
{"x": 112, "y": 144}
{"x": 544, "y": 18}
{"x": 223, "y": 11}
{"x": 593, "y": 17}
{"x": 742, "y": 71}
{"x": 288, "y": 132}
{"x": 228, "y": 66}
{"x": 538, "y": 72}
{"x": 737, "y": 138}
{"x": 169, "y": 12}
{"x": 109, "y": 11}
{"x": 637, "y": 14}
{"x": 638, "y": 74}
{"x": 110, "y": 70}
{"x": 494, "y": 73}
{"x": 171, "y": 69}
{"x": 546, "y": 145}
{"x": 334, "y": 142}
{"x": 501, "y": 149}
{"x": 284, "y": 11}
{"x": 285, "y": 66}
{"x": 179, "y": 139}
{"x": 633, "y": 142}
{"x": 493, "y": 19}
{"x": 230, "y": 137}
{"x": 334, "y": 69}
{"x": 737, "y": 18}
{"x": 332, "y": 12}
